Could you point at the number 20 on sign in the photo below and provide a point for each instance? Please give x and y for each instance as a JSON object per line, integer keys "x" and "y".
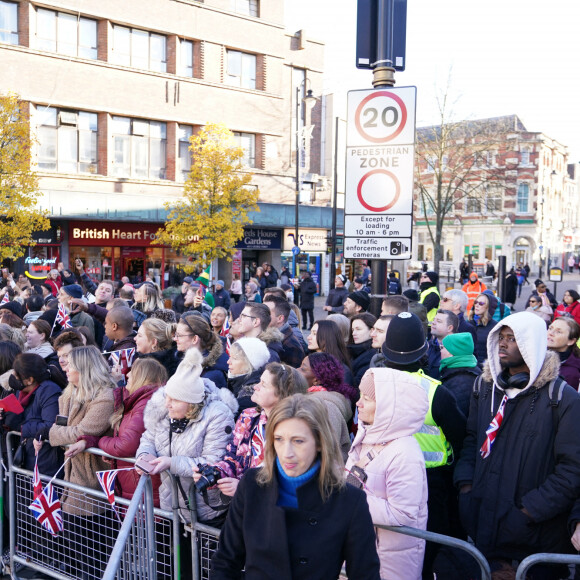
{"x": 381, "y": 117}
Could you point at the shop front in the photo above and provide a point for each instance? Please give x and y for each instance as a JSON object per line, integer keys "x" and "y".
{"x": 258, "y": 245}
{"x": 124, "y": 249}
{"x": 313, "y": 245}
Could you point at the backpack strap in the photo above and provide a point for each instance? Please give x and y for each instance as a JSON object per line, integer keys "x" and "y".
{"x": 477, "y": 386}
{"x": 502, "y": 310}
{"x": 555, "y": 391}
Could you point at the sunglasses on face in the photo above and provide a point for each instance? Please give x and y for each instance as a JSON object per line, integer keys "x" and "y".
{"x": 480, "y": 302}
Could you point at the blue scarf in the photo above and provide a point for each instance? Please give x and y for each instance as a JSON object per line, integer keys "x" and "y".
{"x": 288, "y": 486}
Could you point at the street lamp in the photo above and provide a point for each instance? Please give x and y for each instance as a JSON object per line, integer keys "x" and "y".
{"x": 309, "y": 101}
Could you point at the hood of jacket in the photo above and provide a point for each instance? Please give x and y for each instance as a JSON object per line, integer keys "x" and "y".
{"x": 271, "y": 335}
{"x": 339, "y": 401}
{"x": 476, "y": 278}
{"x": 129, "y": 400}
{"x": 211, "y": 356}
{"x": 156, "y": 410}
{"x": 531, "y": 336}
{"x": 401, "y": 406}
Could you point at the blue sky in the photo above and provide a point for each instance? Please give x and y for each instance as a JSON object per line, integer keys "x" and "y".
{"x": 502, "y": 57}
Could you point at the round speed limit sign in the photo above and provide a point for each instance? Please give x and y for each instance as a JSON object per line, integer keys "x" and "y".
{"x": 382, "y": 117}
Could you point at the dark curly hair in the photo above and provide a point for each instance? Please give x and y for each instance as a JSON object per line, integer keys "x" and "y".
{"x": 329, "y": 373}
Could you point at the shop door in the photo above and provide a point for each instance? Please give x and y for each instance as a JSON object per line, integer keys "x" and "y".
{"x": 133, "y": 261}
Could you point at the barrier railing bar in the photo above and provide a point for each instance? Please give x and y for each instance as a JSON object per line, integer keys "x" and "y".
{"x": 446, "y": 541}
{"x": 176, "y": 532}
{"x": 544, "y": 558}
{"x": 150, "y": 530}
{"x": 125, "y": 531}
{"x": 38, "y": 568}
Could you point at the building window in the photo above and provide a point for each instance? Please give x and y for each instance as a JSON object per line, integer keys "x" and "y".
{"x": 184, "y": 132}
{"x": 426, "y": 206}
{"x": 185, "y": 63}
{"x": 66, "y": 34}
{"x": 139, "y": 148}
{"x": 247, "y": 7}
{"x": 524, "y": 156}
{"x": 241, "y": 69}
{"x": 493, "y": 200}
{"x": 68, "y": 140}
{"x": 522, "y": 201}
{"x": 431, "y": 161}
{"x": 247, "y": 141}
{"x": 139, "y": 49}
{"x": 473, "y": 205}
{"x": 9, "y": 22}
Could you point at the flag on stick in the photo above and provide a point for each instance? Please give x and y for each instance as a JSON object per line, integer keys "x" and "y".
{"x": 36, "y": 482}
{"x": 46, "y": 509}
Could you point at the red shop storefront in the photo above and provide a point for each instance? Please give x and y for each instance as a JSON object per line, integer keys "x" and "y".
{"x": 113, "y": 250}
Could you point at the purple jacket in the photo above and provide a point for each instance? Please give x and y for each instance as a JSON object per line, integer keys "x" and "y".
{"x": 570, "y": 370}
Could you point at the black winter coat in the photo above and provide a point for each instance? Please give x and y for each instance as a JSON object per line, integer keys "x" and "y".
{"x": 222, "y": 298}
{"x": 307, "y": 291}
{"x": 480, "y": 340}
{"x": 360, "y": 359}
{"x": 534, "y": 463}
{"x": 459, "y": 382}
{"x": 296, "y": 544}
{"x": 168, "y": 358}
{"x": 36, "y": 420}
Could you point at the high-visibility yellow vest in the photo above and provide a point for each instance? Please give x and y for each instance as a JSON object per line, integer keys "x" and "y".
{"x": 431, "y": 314}
{"x": 437, "y": 451}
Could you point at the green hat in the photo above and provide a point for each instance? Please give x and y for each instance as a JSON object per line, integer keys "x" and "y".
{"x": 460, "y": 344}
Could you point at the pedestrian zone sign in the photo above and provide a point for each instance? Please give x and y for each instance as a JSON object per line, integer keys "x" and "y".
{"x": 380, "y": 155}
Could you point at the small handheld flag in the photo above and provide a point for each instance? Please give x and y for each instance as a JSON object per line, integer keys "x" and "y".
{"x": 62, "y": 317}
{"x": 46, "y": 509}
{"x": 36, "y": 482}
{"x": 6, "y": 298}
{"x": 107, "y": 481}
{"x": 225, "y": 328}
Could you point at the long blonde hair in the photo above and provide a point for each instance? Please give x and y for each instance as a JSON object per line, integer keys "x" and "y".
{"x": 152, "y": 299}
{"x": 313, "y": 412}
{"x": 145, "y": 371}
{"x": 94, "y": 373}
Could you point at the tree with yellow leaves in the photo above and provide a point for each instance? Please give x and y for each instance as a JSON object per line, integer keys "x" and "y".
{"x": 209, "y": 219}
{"x": 19, "y": 215}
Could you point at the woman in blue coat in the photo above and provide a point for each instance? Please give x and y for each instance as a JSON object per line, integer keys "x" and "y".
{"x": 38, "y": 394}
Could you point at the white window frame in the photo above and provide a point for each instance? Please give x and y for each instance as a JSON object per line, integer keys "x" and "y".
{"x": 184, "y": 154}
{"x": 130, "y": 144}
{"x": 8, "y": 11}
{"x": 247, "y": 141}
{"x": 244, "y": 78}
{"x": 130, "y": 55}
{"x": 60, "y": 40}
{"x": 246, "y": 7}
{"x": 527, "y": 198}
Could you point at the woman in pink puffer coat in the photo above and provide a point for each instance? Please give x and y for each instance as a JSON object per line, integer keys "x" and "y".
{"x": 392, "y": 408}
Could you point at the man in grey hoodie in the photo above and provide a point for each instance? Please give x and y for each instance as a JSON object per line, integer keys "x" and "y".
{"x": 519, "y": 471}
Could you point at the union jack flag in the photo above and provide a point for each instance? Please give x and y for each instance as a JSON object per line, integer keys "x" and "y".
{"x": 491, "y": 431}
{"x": 225, "y": 331}
{"x": 228, "y": 344}
{"x": 46, "y": 509}
{"x": 36, "y": 482}
{"x": 62, "y": 317}
{"x": 6, "y": 298}
{"x": 123, "y": 358}
{"x": 107, "y": 481}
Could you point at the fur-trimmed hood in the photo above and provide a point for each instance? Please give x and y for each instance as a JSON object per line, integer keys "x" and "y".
{"x": 211, "y": 356}
{"x": 271, "y": 335}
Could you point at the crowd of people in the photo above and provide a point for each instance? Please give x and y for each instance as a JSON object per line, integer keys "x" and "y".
{"x": 446, "y": 412}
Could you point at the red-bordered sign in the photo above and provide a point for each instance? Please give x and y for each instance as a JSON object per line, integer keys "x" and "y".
{"x": 367, "y": 205}
{"x": 392, "y": 117}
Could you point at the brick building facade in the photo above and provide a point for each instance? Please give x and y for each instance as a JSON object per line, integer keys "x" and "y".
{"x": 114, "y": 92}
{"x": 529, "y": 213}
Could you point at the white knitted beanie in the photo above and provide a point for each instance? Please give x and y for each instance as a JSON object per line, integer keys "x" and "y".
{"x": 255, "y": 350}
{"x": 186, "y": 384}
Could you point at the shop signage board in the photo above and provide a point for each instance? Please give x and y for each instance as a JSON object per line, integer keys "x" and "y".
{"x": 308, "y": 240}
{"x": 380, "y": 156}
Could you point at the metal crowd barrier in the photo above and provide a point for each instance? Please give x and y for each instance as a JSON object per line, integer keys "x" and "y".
{"x": 445, "y": 541}
{"x": 87, "y": 542}
{"x": 542, "y": 558}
